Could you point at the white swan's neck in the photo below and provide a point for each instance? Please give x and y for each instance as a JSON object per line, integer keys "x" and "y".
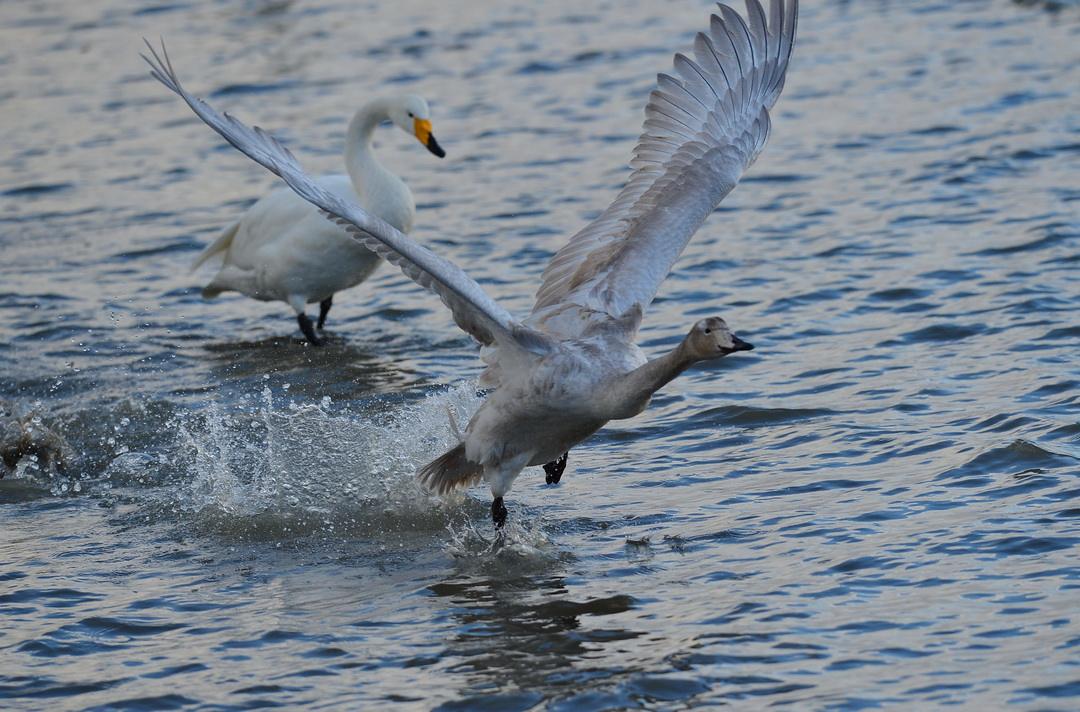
{"x": 360, "y": 161}
{"x": 630, "y": 394}
{"x": 379, "y": 190}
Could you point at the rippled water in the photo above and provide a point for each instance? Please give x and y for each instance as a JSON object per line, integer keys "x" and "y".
{"x": 877, "y": 507}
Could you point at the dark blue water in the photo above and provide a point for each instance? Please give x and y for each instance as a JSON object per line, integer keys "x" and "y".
{"x": 876, "y": 508}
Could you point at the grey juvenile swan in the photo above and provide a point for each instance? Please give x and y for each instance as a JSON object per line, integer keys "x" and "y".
{"x": 572, "y": 365}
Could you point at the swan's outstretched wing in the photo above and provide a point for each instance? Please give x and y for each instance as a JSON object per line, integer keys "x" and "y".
{"x": 704, "y": 126}
{"x": 474, "y": 311}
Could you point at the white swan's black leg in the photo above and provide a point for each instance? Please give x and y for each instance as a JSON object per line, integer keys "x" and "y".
{"x": 324, "y": 309}
{"x": 308, "y": 328}
{"x": 554, "y": 469}
{"x": 498, "y": 512}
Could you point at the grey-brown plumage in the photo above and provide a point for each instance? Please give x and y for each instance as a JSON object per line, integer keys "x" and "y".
{"x": 24, "y": 436}
{"x": 449, "y": 471}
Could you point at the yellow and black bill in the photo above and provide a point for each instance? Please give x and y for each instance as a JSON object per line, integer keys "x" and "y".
{"x": 422, "y": 129}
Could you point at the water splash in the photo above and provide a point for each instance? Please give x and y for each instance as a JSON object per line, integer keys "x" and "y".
{"x": 271, "y": 468}
{"x": 274, "y": 467}
{"x": 521, "y": 547}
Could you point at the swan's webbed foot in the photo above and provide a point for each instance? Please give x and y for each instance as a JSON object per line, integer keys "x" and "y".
{"x": 498, "y": 512}
{"x": 308, "y": 328}
{"x": 554, "y": 469}
{"x": 324, "y": 309}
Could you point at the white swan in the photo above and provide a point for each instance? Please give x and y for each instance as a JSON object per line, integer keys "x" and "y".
{"x": 283, "y": 249}
{"x": 572, "y": 366}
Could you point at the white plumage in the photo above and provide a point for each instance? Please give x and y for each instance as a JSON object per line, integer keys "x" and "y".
{"x": 572, "y": 365}
{"x": 283, "y": 249}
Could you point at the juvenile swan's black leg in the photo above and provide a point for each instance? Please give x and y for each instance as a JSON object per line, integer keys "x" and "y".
{"x": 498, "y": 512}
{"x": 554, "y": 469}
{"x": 324, "y": 309}
{"x": 308, "y": 329}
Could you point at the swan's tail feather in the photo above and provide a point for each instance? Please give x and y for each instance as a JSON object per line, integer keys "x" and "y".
{"x": 221, "y": 244}
{"x": 231, "y": 279}
{"x": 449, "y": 471}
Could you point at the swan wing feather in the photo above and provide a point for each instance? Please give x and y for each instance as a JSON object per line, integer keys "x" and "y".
{"x": 705, "y": 124}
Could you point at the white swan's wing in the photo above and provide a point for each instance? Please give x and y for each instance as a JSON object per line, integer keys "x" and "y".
{"x": 473, "y": 310}
{"x": 704, "y": 126}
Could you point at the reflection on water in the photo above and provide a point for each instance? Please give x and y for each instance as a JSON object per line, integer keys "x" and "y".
{"x": 341, "y": 369}
{"x": 526, "y": 633}
{"x": 875, "y": 508}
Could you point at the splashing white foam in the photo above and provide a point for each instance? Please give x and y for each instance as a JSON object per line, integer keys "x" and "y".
{"x": 274, "y": 469}
{"x": 293, "y": 468}
{"x": 517, "y": 547}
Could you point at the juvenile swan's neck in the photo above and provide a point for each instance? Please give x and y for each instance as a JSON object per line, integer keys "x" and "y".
{"x": 630, "y": 394}
{"x": 360, "y": 159}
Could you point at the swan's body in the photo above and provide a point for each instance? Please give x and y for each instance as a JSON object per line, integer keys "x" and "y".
{"x": 283, "y": 249}
{"x": 541, "y": 409}
{"x": 572, "y": 366}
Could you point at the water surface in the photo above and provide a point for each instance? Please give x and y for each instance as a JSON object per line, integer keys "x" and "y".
{"x": 875, "y": 508}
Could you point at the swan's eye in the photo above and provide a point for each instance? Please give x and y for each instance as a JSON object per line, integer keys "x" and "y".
{"x": 410, "y": 115}
{"x": 708, "y": 331}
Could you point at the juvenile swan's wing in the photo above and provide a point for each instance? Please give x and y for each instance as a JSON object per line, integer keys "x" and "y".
{"x": 473, "y": 310}
{"x": 704, "y": 126}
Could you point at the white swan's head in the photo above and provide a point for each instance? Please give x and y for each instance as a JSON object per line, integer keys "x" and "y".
{"x": 410, "y": 113}
{"x": 711, "y": 338}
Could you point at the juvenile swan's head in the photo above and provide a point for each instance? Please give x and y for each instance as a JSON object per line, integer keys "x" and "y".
{"x": 410, "y": 113}
{"x": 711, "y": 338}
